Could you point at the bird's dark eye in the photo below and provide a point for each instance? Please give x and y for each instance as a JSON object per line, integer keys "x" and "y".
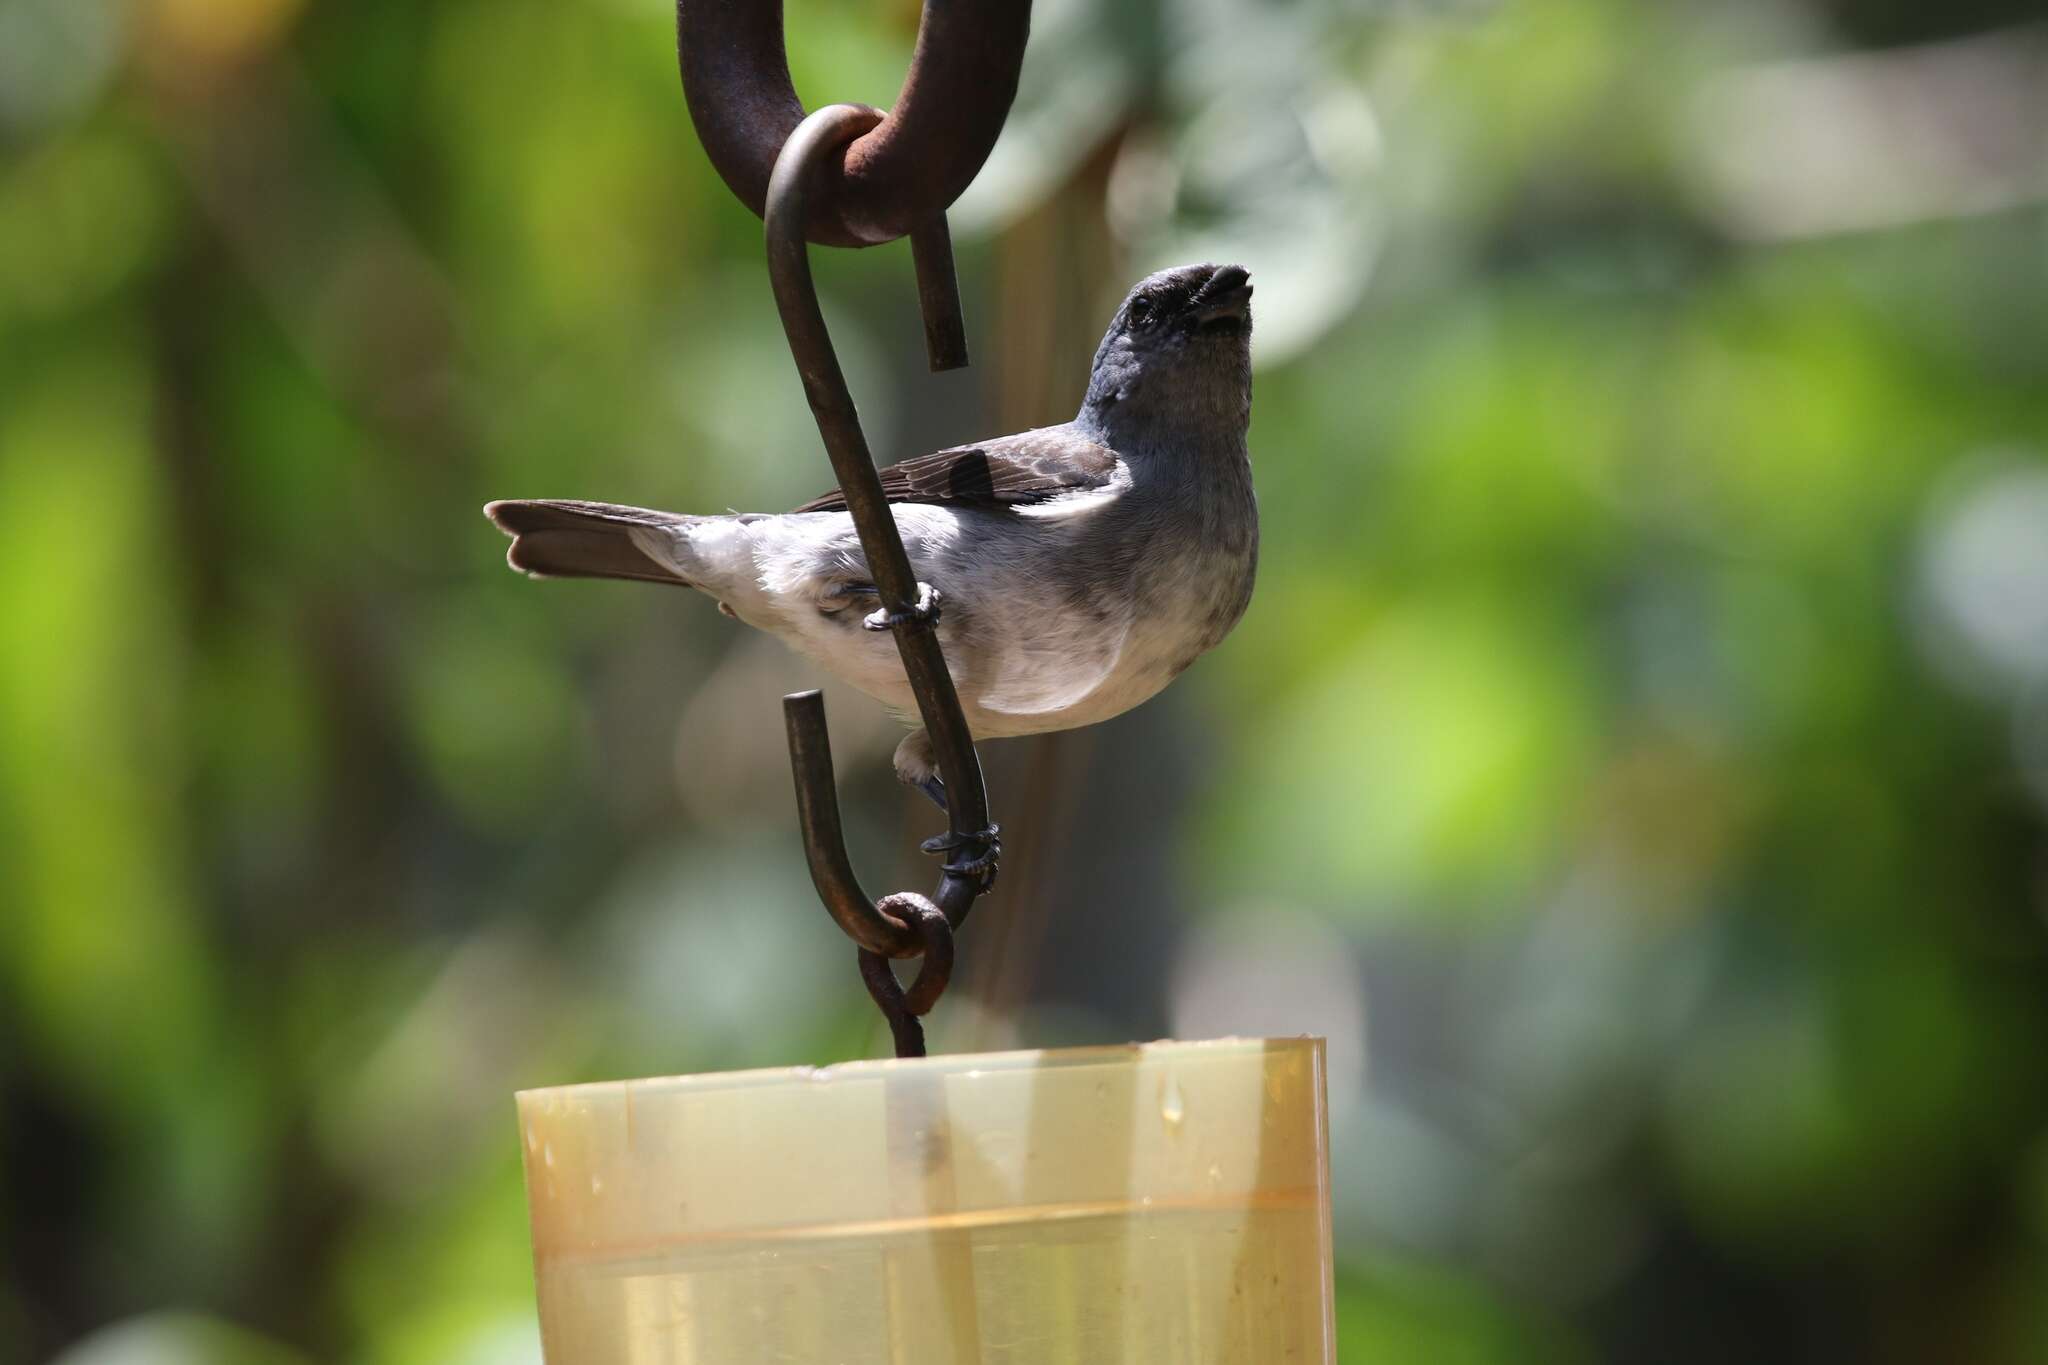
{"x": 1141, "y": 311}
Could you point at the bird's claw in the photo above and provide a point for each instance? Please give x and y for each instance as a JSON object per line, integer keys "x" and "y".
{"x": 935, "y": 789}
{"x": 974, "y": 855}
{"x": 925, "y": 608}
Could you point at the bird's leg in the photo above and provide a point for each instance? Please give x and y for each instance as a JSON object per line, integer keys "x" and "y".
{"x": 974, "y": 855}
{"x": 925, "y": 608}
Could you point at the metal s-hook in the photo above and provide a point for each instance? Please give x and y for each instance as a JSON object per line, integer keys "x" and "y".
{"x": 850, "y": 175}
{"x": 910, "y": 615}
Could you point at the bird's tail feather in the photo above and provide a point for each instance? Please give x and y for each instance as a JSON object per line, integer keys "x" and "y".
{"x": 561, "y": 538}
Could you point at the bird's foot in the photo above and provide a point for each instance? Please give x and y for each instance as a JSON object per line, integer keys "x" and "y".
{"x": 973, "y": 855}
{"x": 925, "y": 608}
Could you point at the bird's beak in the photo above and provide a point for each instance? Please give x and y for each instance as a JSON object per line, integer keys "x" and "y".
{"x": 1228, "y": 294}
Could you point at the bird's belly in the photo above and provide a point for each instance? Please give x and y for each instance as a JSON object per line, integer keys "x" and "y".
{"x": 1082, "y": 668}
{"x": 1114, "y": 693}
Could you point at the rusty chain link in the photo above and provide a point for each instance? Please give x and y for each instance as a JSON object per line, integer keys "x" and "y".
{"x": 894, "y": 178}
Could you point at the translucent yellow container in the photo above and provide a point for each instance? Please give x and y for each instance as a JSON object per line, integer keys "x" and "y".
{"x": 1158, "y": 1204}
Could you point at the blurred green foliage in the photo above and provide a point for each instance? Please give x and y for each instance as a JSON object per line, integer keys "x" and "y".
{"x": 1647, "y": 685}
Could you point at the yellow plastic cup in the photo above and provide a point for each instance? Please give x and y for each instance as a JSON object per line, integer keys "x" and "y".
{"x": 1155, "y": 1204}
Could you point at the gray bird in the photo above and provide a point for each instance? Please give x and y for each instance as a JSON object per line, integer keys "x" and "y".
{"x": 1080, "y": 567}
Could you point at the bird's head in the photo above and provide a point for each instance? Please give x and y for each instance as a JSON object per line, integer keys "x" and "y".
{"x": 1177, "y": 351}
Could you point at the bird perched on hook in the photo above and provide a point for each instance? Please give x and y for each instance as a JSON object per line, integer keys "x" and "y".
{"x": 1078, "y": 568}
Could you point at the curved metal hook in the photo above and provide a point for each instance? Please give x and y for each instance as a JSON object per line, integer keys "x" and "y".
{"x": 817, "y": 815}
{"x": 790, "y": 192}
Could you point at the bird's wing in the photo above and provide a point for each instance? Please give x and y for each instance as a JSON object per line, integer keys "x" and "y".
{"x": 1010, "y": 471}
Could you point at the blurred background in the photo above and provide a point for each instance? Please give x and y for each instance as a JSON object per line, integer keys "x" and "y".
{"x": 1635, "y": 758}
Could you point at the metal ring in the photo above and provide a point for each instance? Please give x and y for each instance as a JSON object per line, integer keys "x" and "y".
{"x": 898, "y": 176}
